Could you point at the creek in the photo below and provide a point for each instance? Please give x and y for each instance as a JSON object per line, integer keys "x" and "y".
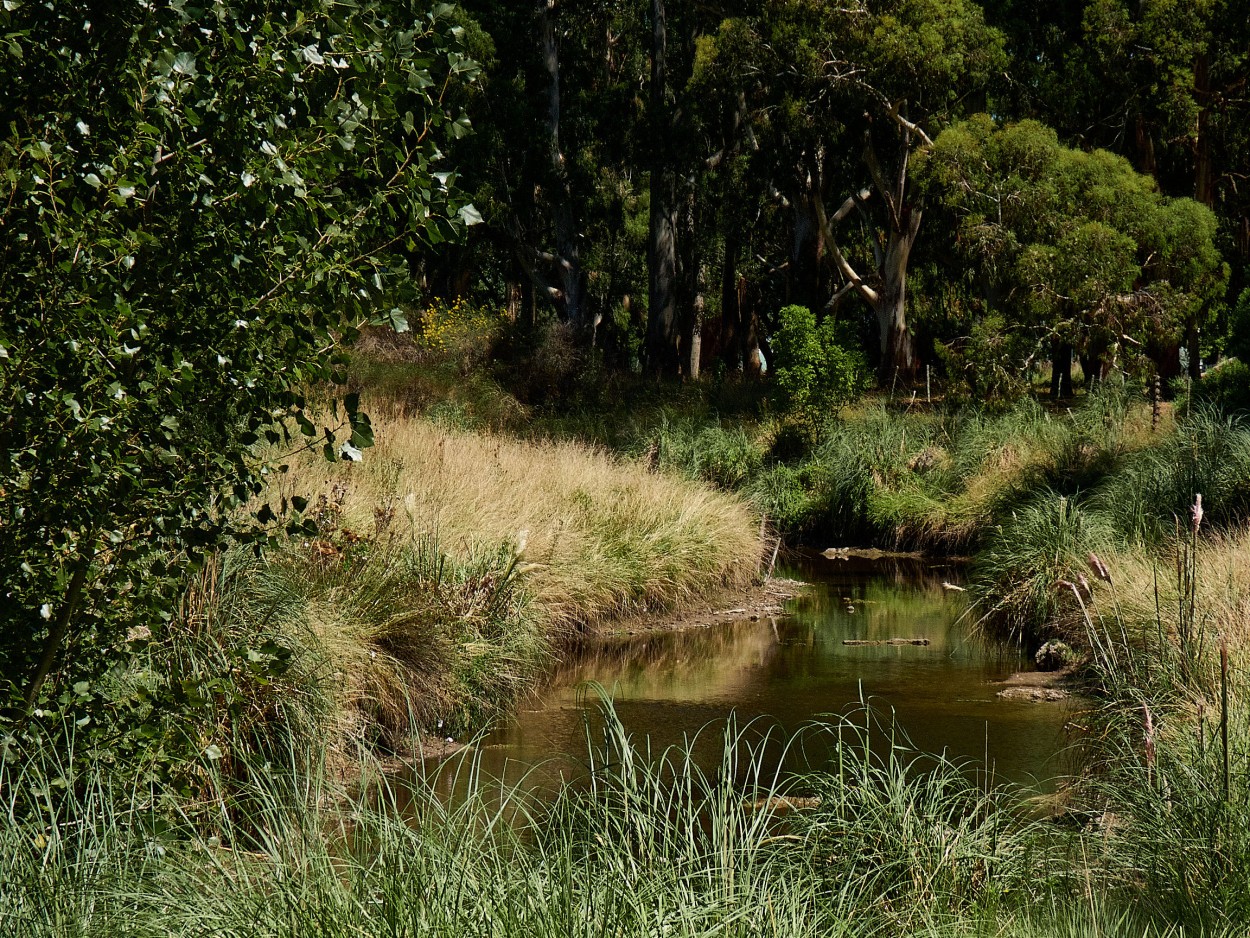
{"x": 786, "y": 671}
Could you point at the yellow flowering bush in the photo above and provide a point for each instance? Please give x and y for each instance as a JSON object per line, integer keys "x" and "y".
{"x": 460, "y": 328}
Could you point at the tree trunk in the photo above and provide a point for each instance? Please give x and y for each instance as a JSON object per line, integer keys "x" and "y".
{"x": 1193, "y": 343}
{"x": 803, "y": 276}
{"x": 1204, "y": 177}
{"x": 55, "y": 642}
{"x": 898, "y": 354}
{"x": 730, "y": 314}
{"x": 663, "y": 328}
{"x": 696, "y": 337}
{"x": 750, "y": 335}
{"x": 1061, "y": 370}
{"x": 568, "y": 254}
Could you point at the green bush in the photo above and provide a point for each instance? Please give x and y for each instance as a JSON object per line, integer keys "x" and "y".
{"x": 1225, "y": 387}
{"x": 984, "y": 366}
{"x": 183, "y": 257}
{"x": 815, "y": 371}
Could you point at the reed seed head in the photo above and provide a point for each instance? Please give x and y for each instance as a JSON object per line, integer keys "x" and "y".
{"x": 1099, "y": 568}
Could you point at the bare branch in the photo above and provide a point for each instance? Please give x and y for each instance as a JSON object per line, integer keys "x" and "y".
{"x": 826, "y": 230}
{"x": 909, "y": 126}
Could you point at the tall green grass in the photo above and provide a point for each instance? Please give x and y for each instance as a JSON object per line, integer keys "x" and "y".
{"x": 1172, "y": 767}
{"x": 1209, "y": 454}
{"x": 877, "y": 841}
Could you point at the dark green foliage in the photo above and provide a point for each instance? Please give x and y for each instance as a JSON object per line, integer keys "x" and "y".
{"x": 1239, "y": 327}
{"x": 1226, "y": 388}
{"x": 985, "y": 365}
{"x": 1065, "y": 246}
{"x": 201, "y": 202}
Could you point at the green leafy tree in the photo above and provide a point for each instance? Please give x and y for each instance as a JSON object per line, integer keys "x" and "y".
{"x": 1162, "y": 82}
{"x": 1075, "y": 249}
{"x": 844, "y": 95}
{"x": 201, "y": 204}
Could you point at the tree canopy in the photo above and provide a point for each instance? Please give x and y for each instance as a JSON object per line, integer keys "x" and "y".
{"x": 1072, "y": 247}
{"x": 201, "y": 203}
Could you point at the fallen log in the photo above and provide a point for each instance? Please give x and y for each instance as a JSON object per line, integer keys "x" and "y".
{"x": 885, "y": 641}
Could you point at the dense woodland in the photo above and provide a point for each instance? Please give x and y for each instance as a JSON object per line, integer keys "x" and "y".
{"x": 360, "y": 359}
{"x": 665, "y": 177}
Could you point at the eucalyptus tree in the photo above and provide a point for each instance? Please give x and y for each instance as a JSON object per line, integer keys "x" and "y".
{"x": 1165, "y": 83}
{"x": 1077, "y": 249}
{"x": 847, "y": 93}
{"x": 201, "y": 204}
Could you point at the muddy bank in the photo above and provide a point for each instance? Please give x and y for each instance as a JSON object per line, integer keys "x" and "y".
{"x": 761, "y": 602}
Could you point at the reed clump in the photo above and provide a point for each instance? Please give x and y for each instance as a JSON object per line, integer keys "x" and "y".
{"x": 1168, "y": 638}
{"x": 451, "y": 567}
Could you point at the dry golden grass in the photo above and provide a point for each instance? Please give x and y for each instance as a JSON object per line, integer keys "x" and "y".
{"x": 1222, "y": 595}
{"x": 601, "y": 537}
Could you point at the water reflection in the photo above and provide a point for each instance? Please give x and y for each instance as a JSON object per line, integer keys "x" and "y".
{"x": 667, "y": 686}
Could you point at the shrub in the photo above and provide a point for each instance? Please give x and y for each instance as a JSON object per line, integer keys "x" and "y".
{"x": 1226, "y": 387}
{"x": 815, "y": 371}
{"x": 460, "y": 330}
{"x": 222, "y": 248}
{"x": 984, "y": 366}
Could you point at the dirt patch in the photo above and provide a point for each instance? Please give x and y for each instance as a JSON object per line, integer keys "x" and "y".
{"x": 765, "y": 601}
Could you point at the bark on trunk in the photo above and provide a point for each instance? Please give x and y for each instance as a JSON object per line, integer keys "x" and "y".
{"x": 696, "y": 337}
{"x": 803, "y": 280}
{"x": 690, "y": 299}
{"x": 730, "y": 315}
{"x": 568, "y": 254}
{"x": 1204, "y": 189}
{"x": 886, "y": 295}
{"x": 663, "y": 328}
{"x": 898, "y": 354}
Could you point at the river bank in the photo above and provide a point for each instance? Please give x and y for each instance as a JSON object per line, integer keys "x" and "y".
{"x": 453, "y": 566}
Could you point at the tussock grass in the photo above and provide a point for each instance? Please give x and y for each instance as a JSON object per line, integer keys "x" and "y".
{"x": 1136, "y": 511}
{"x": 598, "y": 537}
{"x": 1169, "y": 640}
{"x": 1209, "y": 453}
{"x": 1017, "y": 579}
{"x": 453, "y": 566}
{"x": 942, "y": 481}
{"x": 726, "y": 456}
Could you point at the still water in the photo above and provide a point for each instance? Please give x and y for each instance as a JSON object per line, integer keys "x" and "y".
{"x": 789, "y": 670}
